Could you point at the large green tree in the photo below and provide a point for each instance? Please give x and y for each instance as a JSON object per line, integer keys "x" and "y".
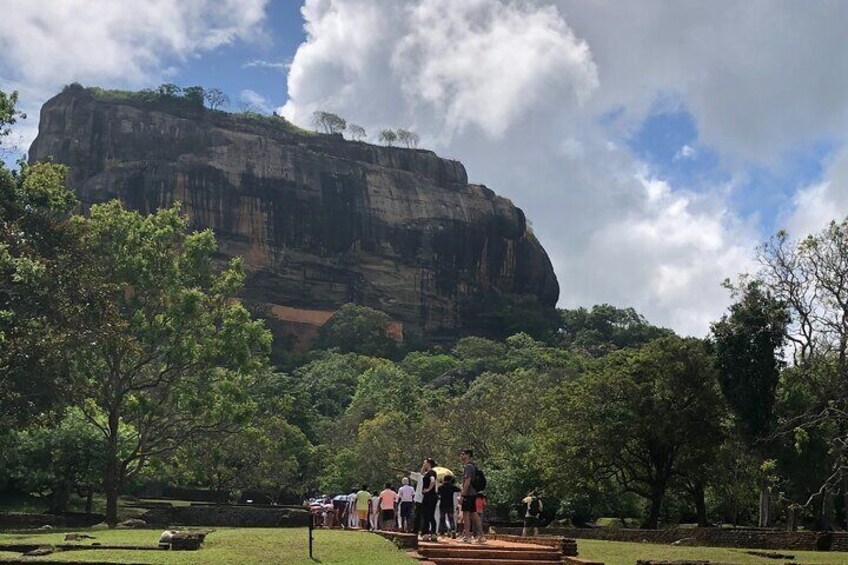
{"x": 635, "y": 417}
{"x": 55, "y": 460}
{"x": 603, "y": 328}
{"x": 358, "y": 329}
{"x": 748, "y": 347}
{"x": 173, "y": 350}
{"x": 42, "y": 300}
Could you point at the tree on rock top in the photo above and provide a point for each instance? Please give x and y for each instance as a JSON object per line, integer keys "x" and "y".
{"x": 327, "y": 122}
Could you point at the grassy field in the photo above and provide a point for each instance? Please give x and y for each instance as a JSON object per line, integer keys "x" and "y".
{"x": 288, "y": 546}
{"x": 625, "y": 553}
{"x": 231, "y": 545}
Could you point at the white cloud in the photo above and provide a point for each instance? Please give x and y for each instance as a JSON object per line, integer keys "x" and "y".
{"x": 254, "y": 101}
{"x": 685, "y": 152}
{"x": 272, "y": 65}
{"x": 815, "y": 206}
{"x": 45, "y": 44}
{"x": 458, "y": 64}
{"x": 515, "y": 91}
{"x": 759, "y": 76}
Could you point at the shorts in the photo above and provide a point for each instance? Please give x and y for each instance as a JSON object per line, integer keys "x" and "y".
{"x": 531, "y": 521}
{"x": 469, "y": 503}
{"x": 363, "y": 514}
{"x": 406, "y": 510}
{"x": 388, "y": 514}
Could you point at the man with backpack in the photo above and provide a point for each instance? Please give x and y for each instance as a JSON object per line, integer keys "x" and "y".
{"x": 532, "y": 513}
{"x": 473, "y": 481}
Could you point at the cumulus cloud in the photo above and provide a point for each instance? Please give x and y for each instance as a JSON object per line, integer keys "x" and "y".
{"x": 516, "y": 91}
{"x": 45, "y": 44}
{"x": 815, "y": 206}
{"x": 451, "y": 65}
{"x": 759, "y": 76}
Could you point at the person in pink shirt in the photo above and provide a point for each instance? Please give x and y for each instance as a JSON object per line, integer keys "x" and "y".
{"x": 388, "y": 500}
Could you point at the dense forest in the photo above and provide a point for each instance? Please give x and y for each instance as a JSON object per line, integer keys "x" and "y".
{"x": 125, "y": 359}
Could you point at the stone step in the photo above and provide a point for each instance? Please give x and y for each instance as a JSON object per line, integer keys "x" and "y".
{"x": 493, "y": 553}
{"x": 479, "y": 561}
{"x": 491, "y": 546}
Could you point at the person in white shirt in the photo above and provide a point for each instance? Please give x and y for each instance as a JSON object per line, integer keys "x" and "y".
{"x": 406, "y": 494}
{"x": 375, "y": 511}
{"x": 417, "y": 499}
{"x": 352, "y": 519}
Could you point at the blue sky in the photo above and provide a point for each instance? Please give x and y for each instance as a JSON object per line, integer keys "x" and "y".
{"x": 257, "y": 64}
{"x": 653, "y": 145}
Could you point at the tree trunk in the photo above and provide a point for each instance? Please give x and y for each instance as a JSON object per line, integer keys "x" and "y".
{"x": 652, "y": 521}
{"x": 792, "y": 518}
{"x": 734, "y": 509}
{"x": 700, "y": 504}
{"x": 89, "y": 500}
{"x": 826, "y": 521}
{"x": 60, "y": 498}
{"x": 765, "y": 504}
{"x": 112, "y": 479}
{"x": 111, "y": 488}
{"x": 845, "y": 501}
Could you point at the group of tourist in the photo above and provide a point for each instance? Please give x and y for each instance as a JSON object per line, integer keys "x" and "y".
{"x": 428, "y": 509}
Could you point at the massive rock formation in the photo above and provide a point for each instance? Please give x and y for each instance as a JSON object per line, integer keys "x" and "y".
{"x": 319, "y": 220}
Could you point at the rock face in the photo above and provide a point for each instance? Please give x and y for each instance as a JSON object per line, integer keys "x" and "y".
{"x": 319, "y": 220}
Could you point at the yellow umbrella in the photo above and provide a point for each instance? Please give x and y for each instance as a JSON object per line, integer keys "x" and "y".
{"x": 442, "y": 472}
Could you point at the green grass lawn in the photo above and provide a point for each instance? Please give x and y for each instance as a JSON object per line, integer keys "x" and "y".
{"x": 230, "y": 545}
{"x": 627, "y": 553}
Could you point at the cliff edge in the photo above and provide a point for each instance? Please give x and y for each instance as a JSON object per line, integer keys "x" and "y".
{"x": 320, "y": 221}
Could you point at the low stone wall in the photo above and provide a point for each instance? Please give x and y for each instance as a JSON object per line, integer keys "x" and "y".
{"x": 235, "y": 516}
{"x": 665, "y": 562}
{"x": 566, "y": 546}
{"x": 22, "y": 520}
{"x": 567, "y": 560}
{"x": 713, "y": 537}
{"x": 400, "y": 539}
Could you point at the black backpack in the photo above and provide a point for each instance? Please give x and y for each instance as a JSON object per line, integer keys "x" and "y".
{"x": 479, "y": 480}
{"x": 533, "y": 509}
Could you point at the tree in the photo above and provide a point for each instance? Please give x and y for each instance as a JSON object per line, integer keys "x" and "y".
{"x": 748, "y": 347}
{"x": 173, "y": 351}
{"x": 634, "y": 418}
{"x": 328, "y": 122}
{"x": 357, "y": 133}
{"x": 388, "y": 137}
{"x": 216, "y": 98}
{"x": 604, "y": 329}
{"x": 408, "y": 138}
{"x": 169, "y": 90}
{"x": 41, "y": 294}
{"x": 810, "y": 277}
{"x": 57, "y": 459}
{"x": 195, "y": 95}
{"x": 330, "y": 380}
{"x": 9, "y": 114}
{"x": 269, "y": 453}
{"x": 358, "y": 329}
